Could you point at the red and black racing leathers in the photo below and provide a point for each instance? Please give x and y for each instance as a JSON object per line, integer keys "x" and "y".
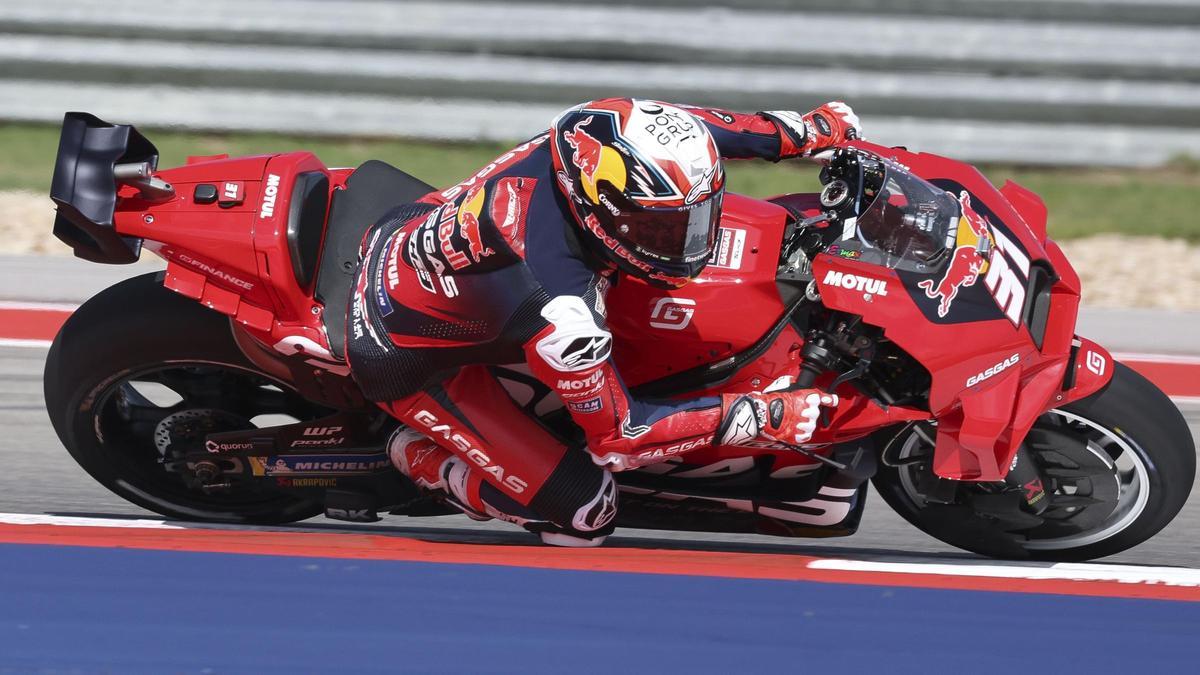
{"x": 492, "y": 271}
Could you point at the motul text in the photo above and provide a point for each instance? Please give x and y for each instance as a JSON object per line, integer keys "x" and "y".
{"x": 267, "y": 210}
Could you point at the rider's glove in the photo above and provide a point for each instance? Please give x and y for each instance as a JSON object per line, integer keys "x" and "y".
{"x": 788, "y": 416}
{"x": 808, "y": 134}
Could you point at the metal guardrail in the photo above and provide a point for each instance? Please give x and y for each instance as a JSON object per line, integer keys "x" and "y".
{"x": 948, "y": 76}
{"x": 1152, "y": 12}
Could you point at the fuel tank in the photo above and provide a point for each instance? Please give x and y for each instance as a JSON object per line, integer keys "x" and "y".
{"x": 725, "y": 311}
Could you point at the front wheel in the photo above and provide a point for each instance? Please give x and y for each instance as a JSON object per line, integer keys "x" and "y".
{"x": 1116, "y": 467}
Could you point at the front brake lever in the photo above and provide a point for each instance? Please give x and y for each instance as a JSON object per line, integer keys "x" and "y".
{"x": 823, "y": 217}
{"x": 826, "y": 416}
{"x": 860, "y": 368}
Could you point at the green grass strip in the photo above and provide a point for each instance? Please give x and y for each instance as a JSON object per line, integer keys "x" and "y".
{"x": 1156, "y": 202}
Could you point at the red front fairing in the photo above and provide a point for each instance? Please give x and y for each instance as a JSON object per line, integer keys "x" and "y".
{"x": 991, "y": 376}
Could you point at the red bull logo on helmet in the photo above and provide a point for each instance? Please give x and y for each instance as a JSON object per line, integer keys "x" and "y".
{"x": 586, "y": 155}
{"x": 595, "y": 160}
{"x": 593, "y": 226}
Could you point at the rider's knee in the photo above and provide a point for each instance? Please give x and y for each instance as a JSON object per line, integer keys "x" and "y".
{"x": 578, "y": 495}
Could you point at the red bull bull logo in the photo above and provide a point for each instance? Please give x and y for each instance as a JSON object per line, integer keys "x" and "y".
{"x": 469, "y": 229}
{"x": 596, "y": 162}
{"x": 586, "y": 155}
{"x": 468, "y": 224}
{"x": 968, "y": 261}
{"x": 963, "y": 271}
{"x": 976, "y": 222}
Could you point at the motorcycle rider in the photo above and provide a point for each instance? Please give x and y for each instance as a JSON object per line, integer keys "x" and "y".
{"x": 512, "y": 266}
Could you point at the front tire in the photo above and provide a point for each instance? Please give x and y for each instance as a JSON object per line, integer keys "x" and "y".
{"x": 1118, "y": 466}
{"x": 136, "y": 342}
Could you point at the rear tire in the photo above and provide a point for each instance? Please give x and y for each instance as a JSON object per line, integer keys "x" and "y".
{"x": 130, "y": 330}
{"x": 1153, "y": 459}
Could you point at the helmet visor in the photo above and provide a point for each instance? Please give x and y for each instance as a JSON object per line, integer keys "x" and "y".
{"x": 671, "y": 234}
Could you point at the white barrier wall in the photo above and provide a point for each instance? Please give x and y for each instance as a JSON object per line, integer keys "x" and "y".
{"x": 1029, "y": 81}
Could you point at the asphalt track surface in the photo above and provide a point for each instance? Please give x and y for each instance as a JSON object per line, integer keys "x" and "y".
{"x": 232, "y": 608}
{"x": 40, "y": 477}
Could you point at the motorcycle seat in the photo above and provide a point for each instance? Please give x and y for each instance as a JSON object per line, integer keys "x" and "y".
{"x": 372, "y": 190}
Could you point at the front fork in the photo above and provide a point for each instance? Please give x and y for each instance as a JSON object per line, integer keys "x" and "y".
{"x": 1023, "y": 475}
{"x": 1088, "y": 370}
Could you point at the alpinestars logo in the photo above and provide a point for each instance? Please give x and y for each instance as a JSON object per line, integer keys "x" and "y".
{"x": 600, "y": 511}
{"x": 704, "y": 186}
{"x": 587, "y": 350}
{"x": 742, "y": 423}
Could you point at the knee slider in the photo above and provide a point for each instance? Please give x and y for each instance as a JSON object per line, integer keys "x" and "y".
{"x": 600, "y": 511}
{"x": 578, "y": 495}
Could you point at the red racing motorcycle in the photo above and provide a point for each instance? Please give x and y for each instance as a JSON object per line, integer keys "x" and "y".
{"x": 931, "y": 302}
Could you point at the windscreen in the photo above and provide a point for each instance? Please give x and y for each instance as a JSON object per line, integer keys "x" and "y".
{"x": 909, "y": 223}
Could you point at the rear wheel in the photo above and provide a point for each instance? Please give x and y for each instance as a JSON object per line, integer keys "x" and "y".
{"x": 1116, "y": 466}
{"x": 137, "y": 377}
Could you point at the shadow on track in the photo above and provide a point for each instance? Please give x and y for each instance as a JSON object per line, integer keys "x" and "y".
{"x": 517, "y": 538}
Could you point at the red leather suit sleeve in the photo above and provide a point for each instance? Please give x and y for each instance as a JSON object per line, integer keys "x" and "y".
{"x": 572, "y": 357}
{"x": 745, "y": 136}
